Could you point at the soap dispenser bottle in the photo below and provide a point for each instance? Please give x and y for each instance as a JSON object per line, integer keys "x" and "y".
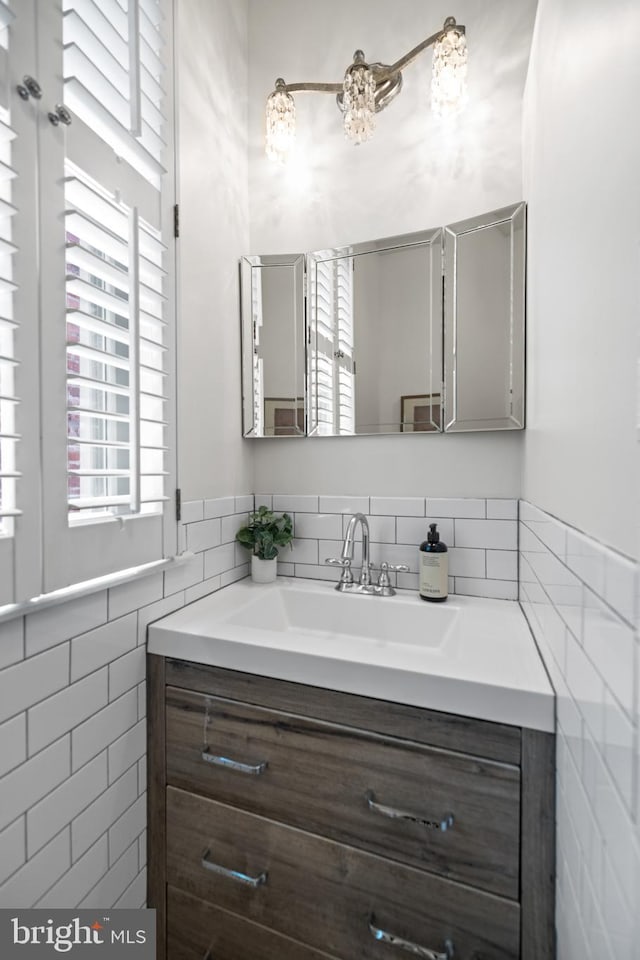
{"x": 433, "y": 572}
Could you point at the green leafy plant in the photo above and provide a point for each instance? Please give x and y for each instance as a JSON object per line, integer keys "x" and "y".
{"x": 265, "y": 533}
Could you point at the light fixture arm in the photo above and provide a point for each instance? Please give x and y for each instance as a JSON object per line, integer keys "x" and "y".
{"x": 385, "y": 73}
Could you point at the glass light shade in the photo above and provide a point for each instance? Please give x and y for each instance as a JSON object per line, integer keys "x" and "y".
{"x": 359, "y": 103}
{"x": 449, "y": 76}
{"x": 281, "y": 124}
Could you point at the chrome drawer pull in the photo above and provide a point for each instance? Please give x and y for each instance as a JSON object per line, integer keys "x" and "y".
{"x": 445, "y": 824}
{"x": 232, "y": 874}
{"x": 425, "y": 952}
{"x": 254, "y": 769}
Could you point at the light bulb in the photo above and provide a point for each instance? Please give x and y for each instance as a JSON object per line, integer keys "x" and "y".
{"x": 281, "y": 123}
{"x": 359, "y": 100}
{"x": 449, "y": 75}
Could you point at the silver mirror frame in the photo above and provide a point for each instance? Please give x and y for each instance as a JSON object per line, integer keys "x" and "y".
{"x": 253, "y": 398}
{"x": 514, "y": 218}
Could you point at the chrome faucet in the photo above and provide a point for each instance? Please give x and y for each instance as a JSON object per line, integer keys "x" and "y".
{"x": 383, "y": 588}
{"x": 347, "y": 546}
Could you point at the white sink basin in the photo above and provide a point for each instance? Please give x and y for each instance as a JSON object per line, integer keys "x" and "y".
{"x": 469, "y": 656}
{"x": 300, "y": 608}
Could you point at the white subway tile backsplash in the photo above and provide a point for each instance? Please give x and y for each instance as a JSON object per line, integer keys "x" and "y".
{"x": 457, "y": 508}
{"x": 610, "y": 643}
{"x": 238, "y": 573}
{"x": 154, "y": 611}
{"x": 344, "y": 504}
{"x": 184, "y": 575}
{"x": 244, "y": 504}
{"x": 220, "y": 559}
{"x": 103, "y": 812}
{"x": 587, "y": 688}
{"x": 230, "y": 526}
{"x": 33, "y": 879}
{"x": 290, "y": 503}
{"x": 619, "y": 743}
{"x": 495, "y": 589}
{"x": 127, "y": 672}
{"x": 32, "y": 680}
{"x": 101, "y": 729}
{"x": 590, "y": 589}
{"x": 33, "y": 780}
{"x": 65, "y": 710}
{"x": 318, "y": 526}
{"x": 263, "y": 500}
{"x": 130, "y": 596}
{"x": 112, "y": 885}
{"x": 142, "y": 700}
{"x": 620, "y": 587}
{"x": 82, "y": 876}
{"x": 203, "y": 535}
{"x": 398, "y": 506}
{"x": 12, "y": 848}
{"x": 302, "y": 551}
{"x": 467, "y": 563}
{"x": 97, "y": 648}
{"x": 11, "y": 642}
{"x": 502, "y": 564}
{"x": 587, "y": 559}
{"x": 55, "y": 624}
{"x": 59, "y": 807}
{"x": 201, "y": 589}
{"x": 191, "y": 511}
{"x": 127, "y": 750}
{"x": 127, "y": 828}
{"x": 219, "y": 507}
{"x": 135, "y": 896}
{"x": 13, "y": 743}
{"x": 502, "y": 509}
{"x": 414, "y": 530}
{"x": 488, "y": 534}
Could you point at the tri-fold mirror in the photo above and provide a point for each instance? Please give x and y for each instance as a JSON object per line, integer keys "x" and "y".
{"x": 422, "y": 332}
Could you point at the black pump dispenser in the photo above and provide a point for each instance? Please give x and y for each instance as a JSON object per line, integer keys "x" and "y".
{"x": 433, "y": 572}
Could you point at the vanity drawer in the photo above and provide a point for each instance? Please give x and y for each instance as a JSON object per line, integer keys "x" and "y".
{"x": 325, "y": 894}
{"x": 196, "y": 930}
{"x": 388, "y": 796}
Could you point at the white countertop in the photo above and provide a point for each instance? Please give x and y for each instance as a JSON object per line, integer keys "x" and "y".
{"x": 470, "y": 656}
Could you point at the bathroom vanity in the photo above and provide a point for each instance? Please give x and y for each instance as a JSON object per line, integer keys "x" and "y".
{"x": 298, "y": 811}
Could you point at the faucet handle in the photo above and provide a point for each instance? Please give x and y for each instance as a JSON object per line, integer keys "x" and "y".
{"x": 386, "y": 568}
{"x": 346, "y": 579}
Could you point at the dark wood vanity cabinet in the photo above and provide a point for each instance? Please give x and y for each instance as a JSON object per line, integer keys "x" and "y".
{"x": 288, "y": 822}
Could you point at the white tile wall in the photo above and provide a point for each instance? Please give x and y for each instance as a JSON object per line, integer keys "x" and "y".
{"x": 580, "y": 599}
{"x": 481, "y": 535}
{"x": 72, "y": 727}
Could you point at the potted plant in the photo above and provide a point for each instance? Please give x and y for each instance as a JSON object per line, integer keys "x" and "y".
{"x": 264, "y": 533}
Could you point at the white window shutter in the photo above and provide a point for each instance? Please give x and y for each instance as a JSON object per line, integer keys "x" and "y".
{"x": 20, "y": 560}
{"x": 331, "y": 356}
{"x": 106, "y": 261}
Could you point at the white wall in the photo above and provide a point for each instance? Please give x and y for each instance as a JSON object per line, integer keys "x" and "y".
{"x": 413, "y": 175}
{"x": 581, "y": 162}
{"x": 212, "y": 129}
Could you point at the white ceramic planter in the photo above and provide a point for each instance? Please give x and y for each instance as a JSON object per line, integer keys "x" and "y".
{"x": 263, "y": 571}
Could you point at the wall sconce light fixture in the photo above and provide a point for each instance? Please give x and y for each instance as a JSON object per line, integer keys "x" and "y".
{"x": 368, "y": 88}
